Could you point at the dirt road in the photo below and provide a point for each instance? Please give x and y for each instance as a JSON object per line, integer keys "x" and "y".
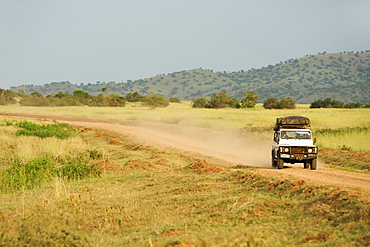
{"x": 234, "y": 148}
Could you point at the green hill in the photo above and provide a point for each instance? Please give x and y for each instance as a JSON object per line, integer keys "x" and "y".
{"x": 340, "y": 76}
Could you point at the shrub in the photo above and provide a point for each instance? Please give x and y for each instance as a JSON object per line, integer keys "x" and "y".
{"x": 284, "y": 103}
{"x": 200, "y": 102}
{"x": 27, "y": 175}
{"x": 250, "y": 100}
{"x": 134, "y": 97}
{"x": 153, "y": 100}
{"x": 77, "y": 168}
{"x": 174, "y": 100}
{"x": 34, "y": 173}
{"x": 326, "y": 103}
{"x": 59, "y": 130}
{"x": 271, "y": 103}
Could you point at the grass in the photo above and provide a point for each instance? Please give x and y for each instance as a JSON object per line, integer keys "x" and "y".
{"x": 59, "y": 130}
{"x": 30, "y": 161}
{"x": 151, "y": 197}
{"x": 258, "y": 119}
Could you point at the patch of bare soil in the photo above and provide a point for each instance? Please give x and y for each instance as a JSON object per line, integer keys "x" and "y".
{"x": 107, "y": 166}
{"x": 203, "y": 167}
{"x": 234, "y": 148}
{"x": 138, "y": 164}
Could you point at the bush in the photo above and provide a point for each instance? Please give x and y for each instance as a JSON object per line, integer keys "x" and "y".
{"x": 153, "y": 100}
{"x": 34, "y": 173}
{"x": 7, "y": 97}
{"x": 108, "y": 100}
{"x": 326, "y": 103}
{"x": 271, "y": 103}
{"x": 329, "y": 103}
{"x": 250, "y": 100}
{"x": 284, "y": 103}
{"x": 134, "y": 97}
{"x": 200, "y": 102}
{"x": 174, "y": 100}
{"x": 75, "y": 168}
{"x": 59, "y": 130}
{"x": 27, "y": 175}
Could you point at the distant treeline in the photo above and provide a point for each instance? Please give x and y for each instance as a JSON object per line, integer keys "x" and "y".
{"x": 82, "y": 98}
{"x": 329, "y": 103}
{"x": 104, "y": 99}
{"x": 223, "y": 100}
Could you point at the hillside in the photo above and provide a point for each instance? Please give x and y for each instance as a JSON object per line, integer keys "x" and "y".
{"x": 340, "y": 76}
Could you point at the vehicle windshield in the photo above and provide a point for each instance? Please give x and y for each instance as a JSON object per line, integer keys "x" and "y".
{"x": 295, "y": 135}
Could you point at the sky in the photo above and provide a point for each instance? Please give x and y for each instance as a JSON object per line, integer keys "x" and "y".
{"x": 85, "y": 41}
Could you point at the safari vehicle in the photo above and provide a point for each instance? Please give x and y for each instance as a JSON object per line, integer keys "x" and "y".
{"x": 293, "y": 143}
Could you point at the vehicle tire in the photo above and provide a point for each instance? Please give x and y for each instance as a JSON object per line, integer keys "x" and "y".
{"x": 280, "y": 163}
{"x": 313, "y": 164}
{"x": 306, "y": 164}
{"x": 273, "y": 162}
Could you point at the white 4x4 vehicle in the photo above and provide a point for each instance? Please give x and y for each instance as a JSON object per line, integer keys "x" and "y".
{"x": 293, "y": 143}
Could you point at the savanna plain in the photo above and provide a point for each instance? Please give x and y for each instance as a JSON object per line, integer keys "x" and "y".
{"x": 88, "y": 186}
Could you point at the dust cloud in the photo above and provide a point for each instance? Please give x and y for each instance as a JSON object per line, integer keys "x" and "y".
{"x": 235, "y": 147}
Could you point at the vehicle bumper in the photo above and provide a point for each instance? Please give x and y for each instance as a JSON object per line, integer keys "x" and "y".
{"x": 298, "y": 156}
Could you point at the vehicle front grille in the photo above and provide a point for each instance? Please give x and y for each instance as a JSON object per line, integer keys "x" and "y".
{"x": 298, "y": 150}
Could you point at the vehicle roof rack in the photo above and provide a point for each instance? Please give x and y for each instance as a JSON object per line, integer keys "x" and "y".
{"x": 292, "y": 122}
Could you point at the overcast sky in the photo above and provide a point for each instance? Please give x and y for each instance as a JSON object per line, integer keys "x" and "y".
{"x": 85, "y": 41}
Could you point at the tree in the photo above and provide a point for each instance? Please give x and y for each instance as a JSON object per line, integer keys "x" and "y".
{"x": 82, "y": 96}
{"x": 114, "y": 100}
{"x": 222, "y": 100}
{"x": 326, "y": 103}
{"x": 134, "y": 97}
{"x": 271, "y": 103}
{"x": 200, "y": 102}
{"x": 105, "y": 90}
{"x": 7, "y": 97}
{"x": 250, "y": 100}
{"x": 286, "y": 103}
{"x": 61, "y": 95}
{"x": 174, "y": 100}
{"x": 218, "y": 101}
{"x": 36, "y": 94}
{"x": 153, "y": 100}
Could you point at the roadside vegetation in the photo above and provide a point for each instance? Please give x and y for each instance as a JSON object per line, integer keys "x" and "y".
{"x": 336, "y": 129}
{"x": 329, "y": 103}
{"x": 137, "y": 195}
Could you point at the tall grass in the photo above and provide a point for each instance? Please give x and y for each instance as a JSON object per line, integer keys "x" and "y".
{"x": 29, "y": 161}
{"x": 349, "y": 139}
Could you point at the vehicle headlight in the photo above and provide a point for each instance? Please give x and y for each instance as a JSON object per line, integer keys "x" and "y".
{"x": 284, "y": 149}
{"x": 310, "y": 150}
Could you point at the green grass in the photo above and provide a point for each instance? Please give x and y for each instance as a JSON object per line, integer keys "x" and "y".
{"x": 159, "y": 198}
{"x": 349, "y": 139}
{"x": 47, "y": 150}
{"x": 59, "y": 130}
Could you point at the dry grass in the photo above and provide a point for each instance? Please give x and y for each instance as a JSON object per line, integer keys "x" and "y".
{"x": 158, "y": 198}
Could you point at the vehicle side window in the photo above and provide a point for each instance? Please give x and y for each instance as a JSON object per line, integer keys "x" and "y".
{"x": 276, "y": 137}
